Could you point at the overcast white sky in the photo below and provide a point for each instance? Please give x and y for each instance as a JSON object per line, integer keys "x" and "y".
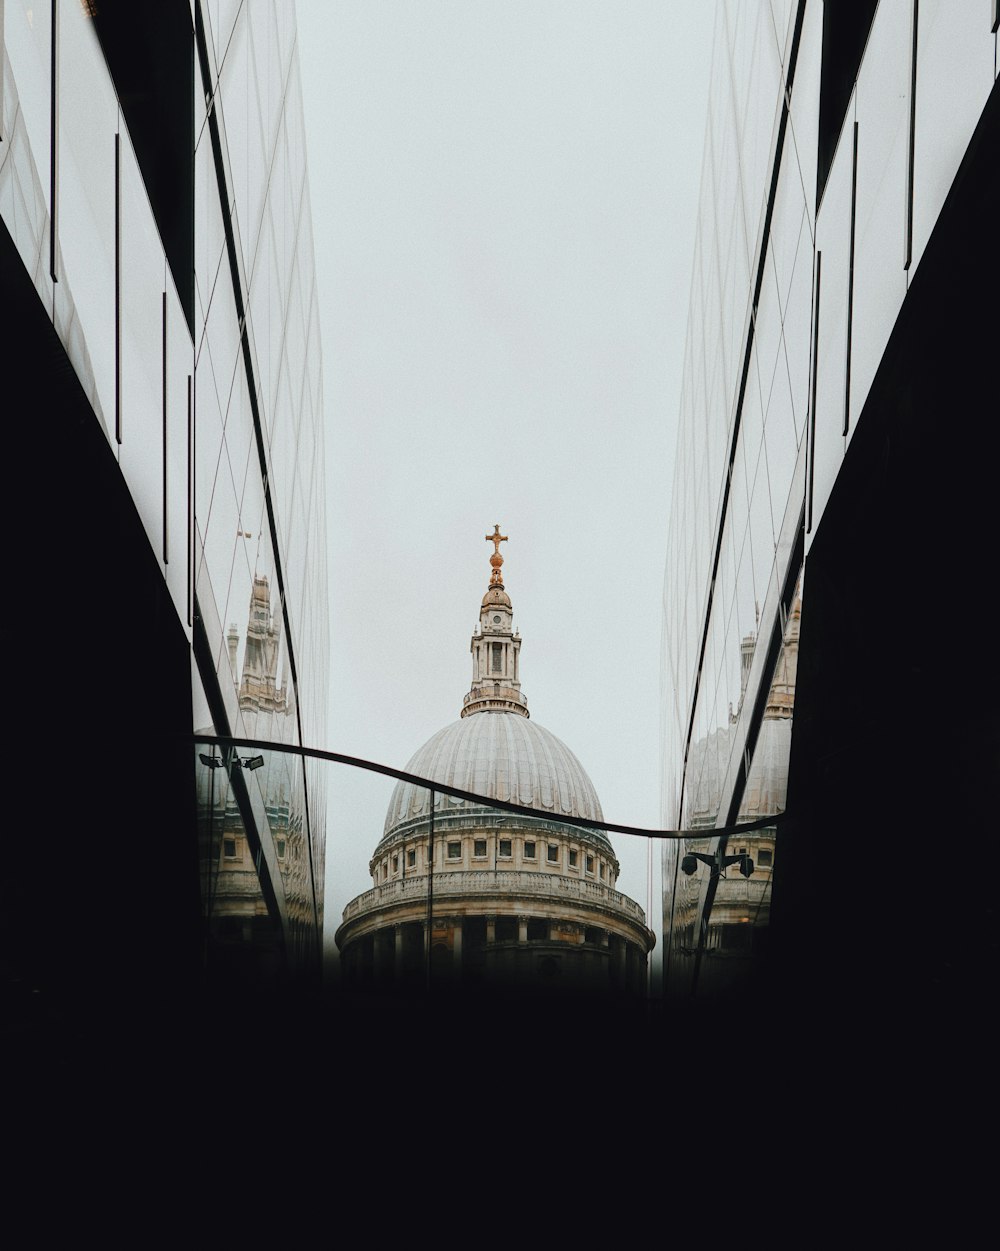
{"x": 504, "y": 196}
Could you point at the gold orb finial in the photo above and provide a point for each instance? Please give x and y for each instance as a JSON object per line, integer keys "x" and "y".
{"x": 496, "y": 560}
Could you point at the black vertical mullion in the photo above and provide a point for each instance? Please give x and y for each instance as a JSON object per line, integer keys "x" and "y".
{"x": 1, "y": 72}
{"x": 811, "y": 430}
{"x": 850, "y": 285}
{"x": 166, "y": 556}
{"x": 190, "y": 499}
{"x": 908, "y": 241}
{"x": 53, "y": 138}
{"x": 118, "y": 286}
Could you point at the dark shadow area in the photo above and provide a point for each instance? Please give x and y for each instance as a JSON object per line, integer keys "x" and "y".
{"x": 884, "y": 919}
{"x": 100, "y": 916}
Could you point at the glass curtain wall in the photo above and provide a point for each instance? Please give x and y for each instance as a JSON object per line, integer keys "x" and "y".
{"x": 155, "y": 192}
{"x": 259, "y": 508}
{"x": 734, "y": 547}
{"x": 834, "y": 138}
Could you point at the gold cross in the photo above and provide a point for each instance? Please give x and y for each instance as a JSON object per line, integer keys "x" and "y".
{"x": 496, "y": 538}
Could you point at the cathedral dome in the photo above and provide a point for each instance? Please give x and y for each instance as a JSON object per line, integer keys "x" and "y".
{"x": 468, "y": 893}
{"x": 495, "y": 749}
{"x": 502, "y": 755}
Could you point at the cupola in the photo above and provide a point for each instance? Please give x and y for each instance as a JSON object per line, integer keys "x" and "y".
{"x": 495, "y": 647}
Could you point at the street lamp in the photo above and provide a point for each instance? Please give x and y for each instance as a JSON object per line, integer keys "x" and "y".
{"x": 716, "y": 863}
{"x": 246, "y": 762}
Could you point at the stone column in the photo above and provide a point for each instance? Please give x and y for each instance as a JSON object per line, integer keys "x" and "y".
{"x": 522, "y": 929}
{"x": 456, "y": 950}
{"x": 383, "y": 956}
{"x": 618, "y": 955}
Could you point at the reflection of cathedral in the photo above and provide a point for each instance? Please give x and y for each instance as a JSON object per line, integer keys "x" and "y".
{"x": 233, "y": 893}
{"x": 259, "y": 690}
{"x": 515, "y": 900}
{"x": 740, "y": 913}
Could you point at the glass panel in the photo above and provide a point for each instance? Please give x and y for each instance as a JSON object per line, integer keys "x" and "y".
{"x": 789, "y": 225}
{"x": 222, "y": 334}
{"x": 761, "y": 532}
{"x": 735, "y": 669}
{"x": 833, "y": 239}
{"x": 209, "y": 234}
{"x": 24, "y": 152}
{"x": 739, "y": 498}
{"x": 746, "y": 602}
{"x": 955, "y": 71}
{"x": 143, "y": 277}
{"x": 783, "y": 20}
{"x": 883, "y": 110}
{"x": 180, "y": 378}
{"x": 759, "y": 117}
{"x": 796, "y": 332}
{"x": 780, "y": 446}
{"x": 736, "y": 296}
{"x": 261, "y": 310}
{"x": 263, "y": 120}
{"x": 208, "y": 440}
{"x": 221, "y": 485}
{"x": 27, "y": 41}
{"x": 767, "y": 337}
{"x": 803, "y": 124}
{"x": 87, "y": 205}
{"x": 240, "y": 133}
{"x": 225, "y": 18}
{"x": 726, "y": 584}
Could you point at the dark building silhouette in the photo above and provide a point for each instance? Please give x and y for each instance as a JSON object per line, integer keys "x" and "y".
{"x": 163, "y": 447}
{"x": 837, "y": 448}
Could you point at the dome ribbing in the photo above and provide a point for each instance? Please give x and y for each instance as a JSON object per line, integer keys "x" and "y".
{"x": 504, "y": 756}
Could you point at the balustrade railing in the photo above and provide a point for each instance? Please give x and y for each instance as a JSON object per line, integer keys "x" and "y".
{"x": 494, "y": 882}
